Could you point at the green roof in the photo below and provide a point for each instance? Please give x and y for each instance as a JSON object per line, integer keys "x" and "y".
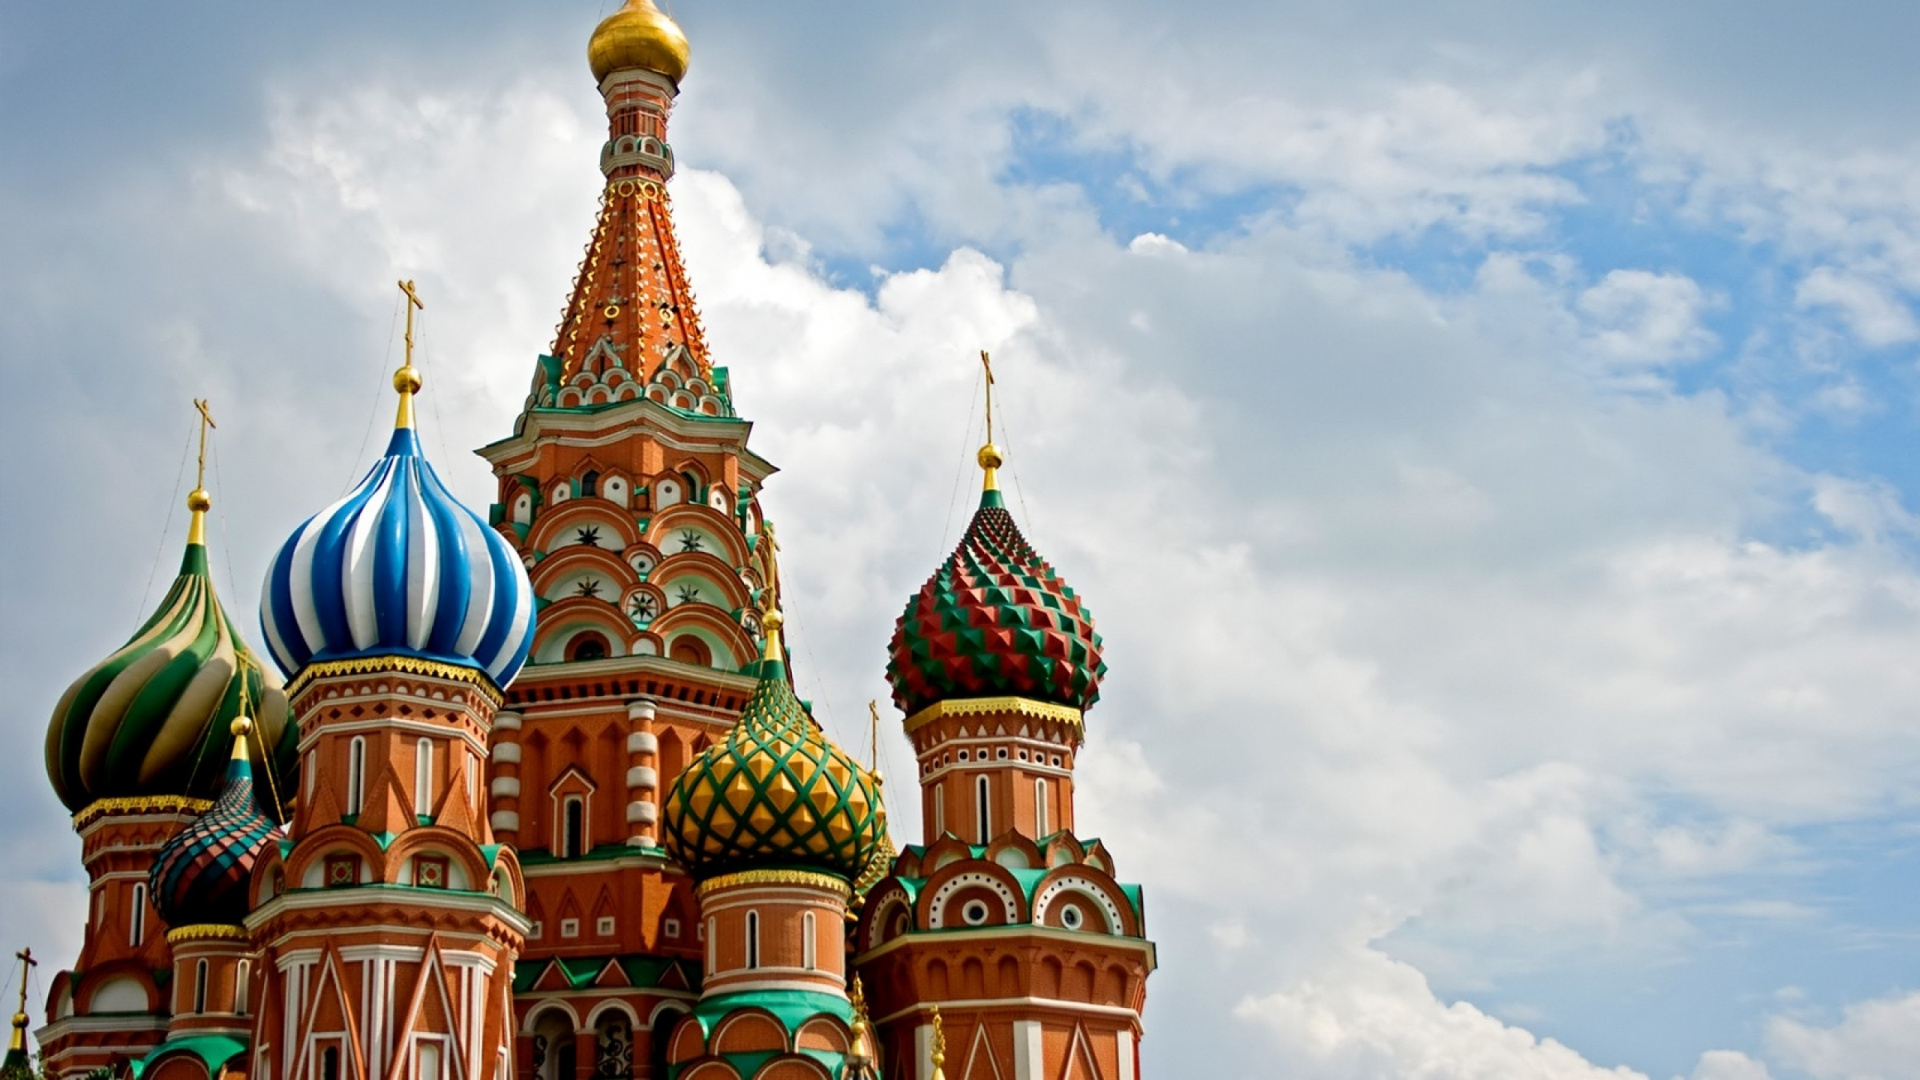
{"x": 213, "y": 1050}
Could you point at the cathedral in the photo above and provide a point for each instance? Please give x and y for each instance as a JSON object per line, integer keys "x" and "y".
{"x": 528, "y": 795}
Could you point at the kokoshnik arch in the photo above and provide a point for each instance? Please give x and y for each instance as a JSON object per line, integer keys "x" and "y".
{"x": 536, "y": 799}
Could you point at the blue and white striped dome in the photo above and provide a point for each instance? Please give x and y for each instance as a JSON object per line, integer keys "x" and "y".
{"x": 399, "y": 567}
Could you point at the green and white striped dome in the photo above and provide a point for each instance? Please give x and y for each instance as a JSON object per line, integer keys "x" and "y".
{"x": 153, "y": 718}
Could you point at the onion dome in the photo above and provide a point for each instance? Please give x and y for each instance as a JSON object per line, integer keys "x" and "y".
{"x": 201, "y": 875}
{"x": 993, "y": 620}
{"x": 399, "y": 568}
{"x": 152, "y": 719}
{"x": 775, "y": 793}
{"x": 639, "y": 35}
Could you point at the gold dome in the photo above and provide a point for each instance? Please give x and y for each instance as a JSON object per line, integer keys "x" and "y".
{"x": 639, "y": 35}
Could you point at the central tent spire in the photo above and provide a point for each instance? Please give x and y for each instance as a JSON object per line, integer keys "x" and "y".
{"x": 631, "y": 328}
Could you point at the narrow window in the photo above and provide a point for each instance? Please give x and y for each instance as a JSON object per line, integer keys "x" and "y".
{"x": 983, "y": 815}
{"x": 200, "y": 987}
{"x": 356, "y": 775}
{"x": 713, "y": 949}
{"x": 242, "y": 975}
{"x": 939, "y": 811}
{"x": 429, "y": 1061}
{"x": 473, "y": 764}
{"x": 330, "y": 1063}
{"x": 753, "y": 939}
{"x": 1040, "y": 808}
{"x": 308, "y": 787}
{"x": 423, "y": 778}
{"x": 572, "y": 826}
{"x": 806, "y": 941}
{"x": 137, "y": 930}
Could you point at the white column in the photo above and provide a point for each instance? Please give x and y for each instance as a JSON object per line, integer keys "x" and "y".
{"x": 1028, "y": 1050}
{"x": 1125, "y": 1039}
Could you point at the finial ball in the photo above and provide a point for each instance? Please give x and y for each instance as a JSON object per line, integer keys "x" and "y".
{"x": 990, "y": 457}
{"x": 199, "y": 501}
{"x": 639, "y": 35}
{"x": 240, "y": 726}
{"x": 772, "y": 621}
{"x": 407, "y": 380}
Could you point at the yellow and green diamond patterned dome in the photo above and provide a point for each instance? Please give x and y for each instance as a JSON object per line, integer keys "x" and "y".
{"x": 775, "y": 793}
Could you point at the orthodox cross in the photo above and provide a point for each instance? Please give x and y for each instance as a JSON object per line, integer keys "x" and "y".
{"x": 413, "y": 301}
{"x": 986, "y": 362}
{"x": 206, "y": 423}
{"x": 27, "y": 963}
{"x": 873, "y": 710}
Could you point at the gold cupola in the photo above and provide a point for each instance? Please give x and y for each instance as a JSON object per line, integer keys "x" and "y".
{"x": 639, "y": 35}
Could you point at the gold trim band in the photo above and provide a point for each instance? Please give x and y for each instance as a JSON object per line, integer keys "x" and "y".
{"x": 207, "y": 932}
{"x": 140, "y": 804}
{"x": 805, "y": 878}
{"x": 407, "y": 665}
{"x": 1018, "y": 706}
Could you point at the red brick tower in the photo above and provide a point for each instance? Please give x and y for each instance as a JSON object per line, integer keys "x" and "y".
{"x": 138, "y": 749}
{"x": 386, "y": 927}
{"x": 1002, "y": 920}
{"x": 630, "y": 493}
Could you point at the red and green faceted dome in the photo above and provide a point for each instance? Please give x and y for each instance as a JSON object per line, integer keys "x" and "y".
{"x": 201, "y": 875}
{"x": 995, "y": 620}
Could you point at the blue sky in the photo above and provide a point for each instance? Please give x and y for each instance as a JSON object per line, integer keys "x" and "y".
{"x": 1483, "y": 430}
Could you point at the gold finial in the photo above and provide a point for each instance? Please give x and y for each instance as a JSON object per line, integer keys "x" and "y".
{"x": 873, "y": 710}
{"x": 239, "y": 728}
{"x": 989, "y": 456}
{"x": 862, "y": 1051}
{"x": 198, "y": 500}
{"x": 939, "y": 1045}
{"x": 639, "y": 35}
{"x": 27, "y": 963}
{"x": 407, "y": 379}
{"x": 771, "y": 620}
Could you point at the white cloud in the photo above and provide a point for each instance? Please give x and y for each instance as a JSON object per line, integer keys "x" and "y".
{"x": 1639, "y": 317}
{"x": 1875, "y": 1040}
{"x": 1374, "y": 1017}
{"x": 1875, "y": 316}
{"x": 1729, "y": 1065}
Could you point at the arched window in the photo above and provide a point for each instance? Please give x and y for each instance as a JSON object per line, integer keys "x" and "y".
{"x": 590, "y": 484}
{"x": 1040, "y": 829}
{"x": 137, "y": 926}
{"x": 200, "y": 986}
{"x": 587, "y": 646}
{"x": 423, "y": 778}
{"x": 356, "y": 774}
{"x": 691, "y": 650}
{"x": 983, "y": 812}
{"x": 939, "y": 810}
{"x": 330, "y": 1062}
{"x": 242, "y": 975}
{"x": 806, "y": 941}
{"x": 573, "y": 827}
{"x": 753, "y": 939}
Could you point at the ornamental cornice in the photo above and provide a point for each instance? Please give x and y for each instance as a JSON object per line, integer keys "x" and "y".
{"x": 408, "y": 665}
{"x": 138, "y": 805}
{"x": 803, "y": 878}
{"x": 995, "y": 706}
{"x": 207, "y": 932}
